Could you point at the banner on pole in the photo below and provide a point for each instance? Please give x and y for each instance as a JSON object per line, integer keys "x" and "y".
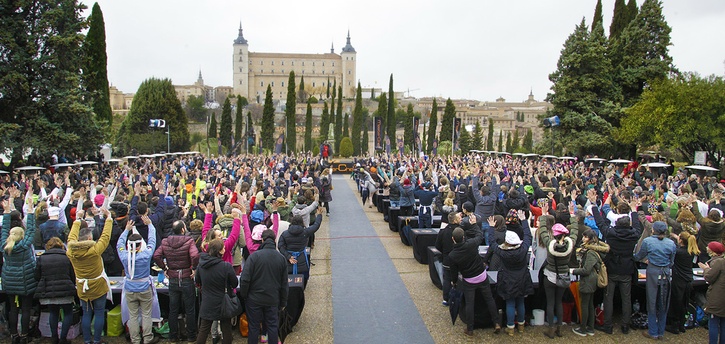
{"x": 378, "y": 130}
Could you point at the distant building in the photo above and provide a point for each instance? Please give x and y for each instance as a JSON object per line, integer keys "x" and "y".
{"x": 254, "y": 71}
{"x": 120, "y": 102}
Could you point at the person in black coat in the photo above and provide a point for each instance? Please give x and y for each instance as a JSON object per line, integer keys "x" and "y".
{"x": 215, "y": 277}
{"x": 56, "y": 287}
{"x": 444, "y": 245}
{"x": 264, "y": 287}
{"x": 293, "y": 243}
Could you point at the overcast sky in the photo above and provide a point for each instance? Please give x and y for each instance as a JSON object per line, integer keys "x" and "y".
{"x": 477, "y": 49}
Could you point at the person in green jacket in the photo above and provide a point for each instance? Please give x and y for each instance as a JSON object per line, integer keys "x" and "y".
{"x": 589, "y": 256}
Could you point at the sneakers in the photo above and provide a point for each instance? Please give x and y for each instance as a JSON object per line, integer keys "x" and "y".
{"x": 605, "y": 329}
{"x": 625, "y": 329}
{"x": 263, "y": 339}
{"x": 154, "y": 340}
{"x": 590, "y": 331}
{"x": 445, "y": 303}
{"x": 579, "y": 331}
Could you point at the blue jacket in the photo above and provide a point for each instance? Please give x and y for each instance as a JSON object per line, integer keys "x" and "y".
{"x": 426, "y": 197}
{"x": 18, "y": 273}
{"x": 485, "y": 205}
{"x": 140, "y": 280}
{"x": 407, "y": 196}
{"x": 659, "y": 252}
{"x": 53, "y": 228}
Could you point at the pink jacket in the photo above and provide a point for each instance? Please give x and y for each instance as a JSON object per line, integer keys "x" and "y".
{"x": 251, "y": 245}
{"x": 231, "y": 241}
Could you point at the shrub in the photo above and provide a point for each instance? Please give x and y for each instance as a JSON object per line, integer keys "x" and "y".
{"x": 316, "y": 150}
{"x": 346, "y": 147}
{"x": 313, "y": 100}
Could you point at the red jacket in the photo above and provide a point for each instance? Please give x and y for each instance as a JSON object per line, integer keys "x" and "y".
{"x": 181, "y": 256}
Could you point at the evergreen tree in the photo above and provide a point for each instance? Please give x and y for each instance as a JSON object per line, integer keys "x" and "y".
{"x": 632, "y": 10}
{"x": 267, "y": 131}
{"x": 250, "y": 130}
{"x": 302, "y": 94}
{"x": 449, "y": 113}
{"x": 346, "y": 128}
{"x": 213, "y": 130}
{"x": 433, "y": 125}
{"x": 598, "y": 17}
{"x": 95, "y": 71}
{"x": 515, "y": 141}
{"x": 508, "y": 142}
{"x": 308, "y": 127}
{"x": 372, "y": 93}
{"x": 338, "y": 119}
{"x": 464, "y": 141}
{"x": 154, "y": 97}
{"x": 408, "y": 126}
{"x": 365, "y": 129}
{"x": 382, "y": 112}
{"x": 333, "y": 118}
{"x": 391, "y": 121}
{"x": 290, "y": 114}
{"x": 195, "y": 108}
{"x": 324, "y": 123}
{"x": 644, "y": 48}
{"x": 424, "y": 139}
{"x": 529, "y": 141}
{"x": 500, "y": 140}
{"x": 620, "y": 19}
{"x": 489, "y": 139}
{"x": 225, "y": 127}
{"x": 239, "y": 120}
{"x": 357, "y": 124}
{"x": 477, "y": 139}
{"x": 328, "y": 88}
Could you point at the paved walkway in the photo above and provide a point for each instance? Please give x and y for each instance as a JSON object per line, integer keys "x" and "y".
{"x": 369, "y": 300}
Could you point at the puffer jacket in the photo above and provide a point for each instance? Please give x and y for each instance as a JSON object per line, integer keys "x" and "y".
{"x": 557, "y": 253}
{"x": 589, "y": 264}
{"x": 709, "y": 230}
{"x": 181, "y": 256}
{"x": 169, "y": 218}
{"x": 395, "y": 190}
{"x": 54, "y": 274}
{"x": 225, "y": 224}
{"x": 715, "y": 303}
{"x": 264, "y": 278}
{"x": 18, "y": 270}
{"x": 514, "y": 279}
{"x": 295, "y": 239}
{"x": 87, "y": 262}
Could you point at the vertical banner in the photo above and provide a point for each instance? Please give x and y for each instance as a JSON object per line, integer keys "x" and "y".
{"x": 387, "y": 144}
{"x": 416, "y": 139}
{"x": 401, "y": 146}
{"x": 435, "y": 147}
{"x": 456, "y": 132}
{"x": 279, "y": 144}
{"x": 378, "y": 131}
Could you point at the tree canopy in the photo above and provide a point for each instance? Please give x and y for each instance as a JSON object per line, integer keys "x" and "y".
{"x": 290, "y": 114}
{"x": 357, "y": 123}
{"x": 95, "y": 73}
{"x": 449, "y": 113}
{"x": 308, "y": 127}
{"x": 267, "y": 130}
{"x": 225, "y": 125}
{"x": 433, "y": 125}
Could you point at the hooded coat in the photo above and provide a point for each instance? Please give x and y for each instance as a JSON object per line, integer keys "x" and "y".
{"x": 295, "y": 239}
{"x": 709, "y": 230}
{"x": 18, "y": 270}
{"x": 589, "y": 264}
{"x": 514, "y": 279}
{"x": 231, "y": 242}
{"x": 87, "y": 262}
{"x": 557, "y": 253}
{"x": 54, "y": 274}
{"x": 216, "y": 277}
{"x": 178, "y": 254}
{"x": 264, "y": 278}
{"x": 715, "y": 301}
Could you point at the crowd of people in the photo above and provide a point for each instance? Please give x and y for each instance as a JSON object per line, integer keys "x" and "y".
{"x": 234, "y": 226}
{"x": 595, "y": 221}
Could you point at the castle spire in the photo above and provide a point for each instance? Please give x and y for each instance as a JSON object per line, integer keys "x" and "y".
{"x": 332, "y": 48}
{"x": 240, "y": 38}
{"x": 348, "y": 47}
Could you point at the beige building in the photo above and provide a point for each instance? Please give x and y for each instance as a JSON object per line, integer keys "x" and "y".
{"x": 253, "y": 72}
{"x": 120, "y": 102}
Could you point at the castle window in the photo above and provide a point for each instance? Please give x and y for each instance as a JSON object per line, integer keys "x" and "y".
{"x": 282, "y": 83}
{"x": 313, "y": 63}
{"x": 283, "y": 71}
{"x": 240, "y": 82}
{"x": 293, "y": 63}
{"x": 240, "y": 51}
{"x": 273, "y": 63}
{"x": 313, "y": 71}
{"x": 349, "y": 72}
{"x": 313, "y": 84}
{"x": 323, "y": 64}
{"x": 241, "y": 70}
{"x": 261, "y": 71}
{"x": 261, "y": 63}
{"x": 261, "y": 83}
{"x": 333, "y": 64}
{"x": 283, "y": 63}
{"x": 272, "y": 70}
{"x": 240, "y": 59}
{"x": 323, "y": 72}
{"x": 303, "y": 71}
{"x": 303, "y": 63}
{"x": 348, "y": 83}
{"x": 272, "y": 83}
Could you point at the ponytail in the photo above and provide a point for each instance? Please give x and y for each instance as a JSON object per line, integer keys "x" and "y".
{"x": 691, "y": 242}
{"x": 16, "y": 234}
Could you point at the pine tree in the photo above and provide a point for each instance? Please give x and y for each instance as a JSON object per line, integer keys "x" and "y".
{"x": 213, "y": 131}
{"x": 489, "y": 139}
{"x": 357, "y": 124}
{"x": 338, "y": 119}
{"x": 324, "y": 123}
{"x": 424, "y": 139}
{"x": 508, "y": 142}
{"x": 632, "y": 10}
{"x": 477, "y": 139}
{"x": 408, "y": 126}
{"x": 333, "y": 119}
{"x": 267, "y": 131}
{"x": 598, "y": 17}
{"x": 620, "y": 19}
{"x": 500, "y": 141}
{"x": 290, "y": 114}
{"x": 250, "y": 130}
{"x": 464, "y": 141}
{"x": 239, "y": 120}
{"x": 302, "y": 94}
{"x": 346, "y": 127}
{"x": 391, "y": 121}
{"x": 328, "y": 88}
{"x": 515, "y": 141}
{"x": 447, "y": 121}
{"x": 365, "y": 129}
{"x": 433, "y": 125}
{"x": 225, "y": 126}
{"x": 529, "y": 141}
{"x": 382, "y": 112}
{"x": 95, "y": 71}
{"x": 308, "y": 127}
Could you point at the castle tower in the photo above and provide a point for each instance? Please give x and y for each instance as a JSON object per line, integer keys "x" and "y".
{"x": 348, "y": 69}
{"x": 240, "y": 65}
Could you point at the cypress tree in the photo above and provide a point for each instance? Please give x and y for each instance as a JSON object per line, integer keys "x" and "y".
{"x": 332, "y": 107}
{"x": 225, "y": 127}
{"x": 500, "y": 140}
{"x": 408, "y": 126}
{"x": 267, "y": 131}
{"x": 365, "y": 129}
{"x": 477, "y": 139}
{"x": 338, "y": 119}
{"x": 620, "y": 19}
{"x": 95, "y": 71}
{"x": 489, "y": 139}
{"x": 250, "y": 130}
{"x": 508, "y": 142}
{"x": 239, "y": 120}
{"x": 632, "y": 11}
{"x": 424, "y": 138}
{"x": 515, "y": 142}
{"x": 382, "y": 112}
{"x": 345, "y": 126}
{"x": 464, "y": 141}
{"x": 302, "y": 94}
{"x": 289, "y": 114}
{"x": 357, "y": 125}
{"x": 325, "y": 123}
{"x": 598, "y": 17}
{"x": 308, "y": 127}
{"x": 390, "y": 121}
{"x": 449, "y": 113}
{"x": 213, "y": 131}
{"x": 529, "y": 141}
{"x": 433, "y": 125}
{"x": 328, "y": 88}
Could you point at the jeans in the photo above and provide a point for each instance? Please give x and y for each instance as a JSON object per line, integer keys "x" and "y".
{"x": 554, "y": 295}
{"x": 205, "y": 328}
{"x": 53, "y": 320}
{"x": 679, "y": 298}
{"x": 26, "y": 304}
{"x": 658, "y": 295}
{"x": 140, "y": 301}
{"x": 469, "y": 293}
{"x": 365, "y": 194}
{"x": 588, "y": 313}
{"x": 182, "y": 291}
{"x": 716, "y": 325}
{"x": 515, "y": 309}
{"x": 258, "y": 315}
{"x": 624, "y": 282}
{"x": 394, "y": 204}
{"x": 95, "y": 309}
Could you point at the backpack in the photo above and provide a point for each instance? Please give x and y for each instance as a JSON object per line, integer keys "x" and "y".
{"x": 602, "y": 276}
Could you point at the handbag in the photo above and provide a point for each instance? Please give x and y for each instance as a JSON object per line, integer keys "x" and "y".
{"x": 562, "y": 280}
{"x": 231, "y": 307}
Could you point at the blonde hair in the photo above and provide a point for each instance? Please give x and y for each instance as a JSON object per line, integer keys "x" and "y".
{"x": 16, "y": 234}
{"x": 691, "y": 242}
